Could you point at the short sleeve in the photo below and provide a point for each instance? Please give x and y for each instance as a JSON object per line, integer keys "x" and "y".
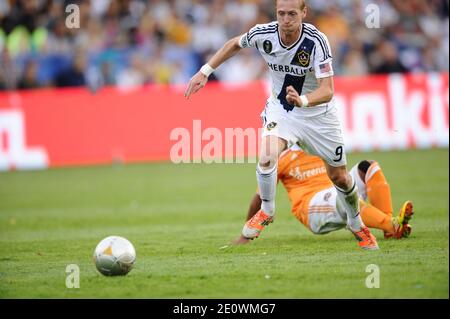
{"x": 243, "y": 41}
{"x": 249, "y": 39}
{"x": 323, "y": 60}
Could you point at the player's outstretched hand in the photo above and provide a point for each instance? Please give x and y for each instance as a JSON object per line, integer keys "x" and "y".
{"x": 196, "y": 83}
{"x": 241, "y": 241}
{"x": 292, "y": 96}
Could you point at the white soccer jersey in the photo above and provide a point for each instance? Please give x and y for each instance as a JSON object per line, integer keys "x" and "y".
{"x": 299, "y": 65}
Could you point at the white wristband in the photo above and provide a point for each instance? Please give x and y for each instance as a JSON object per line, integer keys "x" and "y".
{"x": 207, "y": 70}
{"x": 304, "y": 101}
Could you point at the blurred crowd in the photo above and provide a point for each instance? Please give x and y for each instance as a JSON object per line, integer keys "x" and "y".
{"x": 130, "y": 43}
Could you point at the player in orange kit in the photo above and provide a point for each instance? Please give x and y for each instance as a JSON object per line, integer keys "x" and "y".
{"x": 316, "y": 205}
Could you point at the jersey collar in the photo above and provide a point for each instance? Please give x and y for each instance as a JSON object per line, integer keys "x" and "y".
{"x": 296, "y": 42}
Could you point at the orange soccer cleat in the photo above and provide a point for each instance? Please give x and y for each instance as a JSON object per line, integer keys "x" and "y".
{"x": 254, "y": 226}
{"x": 400, "y": 222}
{"x": 402, "y": 228}
{"x": 365, "y": 239}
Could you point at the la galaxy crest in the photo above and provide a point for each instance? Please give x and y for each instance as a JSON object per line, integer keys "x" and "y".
{"x": 271, "y": 126}
{"x": 267, "y": 46}
{"x": 303, "y": 58}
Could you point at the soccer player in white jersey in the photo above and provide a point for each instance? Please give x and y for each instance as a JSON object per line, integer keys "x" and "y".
{"x": 300, "y": 109}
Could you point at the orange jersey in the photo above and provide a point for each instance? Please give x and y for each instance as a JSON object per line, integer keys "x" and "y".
{"x": 302, "y": 175}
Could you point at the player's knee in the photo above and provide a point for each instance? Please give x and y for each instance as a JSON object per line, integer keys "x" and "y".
{"x": 364, "y": 165}
{"x": 341, "y": 180}
{"x": 267, "y": 165}
{"x": 267, "y": 162}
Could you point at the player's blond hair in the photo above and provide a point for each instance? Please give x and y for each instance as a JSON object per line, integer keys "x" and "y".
{"x": 302, "y": 6}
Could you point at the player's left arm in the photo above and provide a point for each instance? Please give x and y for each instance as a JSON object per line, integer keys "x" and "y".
{"x": 323, "y": 94}
{"x": 323, "y": 69}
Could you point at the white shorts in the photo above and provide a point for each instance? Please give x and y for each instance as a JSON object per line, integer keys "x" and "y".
{"x": 319, "y": 135}
{"x": 323, "y": 213}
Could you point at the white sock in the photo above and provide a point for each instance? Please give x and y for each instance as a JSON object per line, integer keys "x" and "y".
{"x": 267, "y": 183}
{"x": 350, "y": 202}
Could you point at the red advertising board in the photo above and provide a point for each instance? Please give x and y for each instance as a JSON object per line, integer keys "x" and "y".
{"x": 57, "y": 127}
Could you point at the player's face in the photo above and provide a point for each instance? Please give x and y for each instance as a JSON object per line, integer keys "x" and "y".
{"x": 289, "y": 15}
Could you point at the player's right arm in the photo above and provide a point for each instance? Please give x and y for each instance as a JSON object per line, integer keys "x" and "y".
{"x": 199, "y": 80}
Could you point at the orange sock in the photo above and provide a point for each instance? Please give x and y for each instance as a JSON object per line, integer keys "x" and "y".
{"x": 378, "y": 189}
{"x": 374, "y": 218}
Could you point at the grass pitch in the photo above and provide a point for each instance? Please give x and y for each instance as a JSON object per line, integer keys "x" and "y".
{"x": 178, "y": 216}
